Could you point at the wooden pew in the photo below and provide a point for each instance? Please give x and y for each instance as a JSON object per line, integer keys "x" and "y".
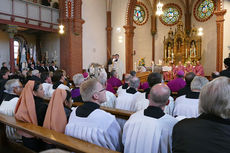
{"x": 59, "y": 139}
{"x": 119, "y": 113}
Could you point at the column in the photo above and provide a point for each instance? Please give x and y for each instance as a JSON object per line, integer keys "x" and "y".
{"x": 220, "y": 37}
{"x": 109, "y": 34}
{"x": 11, "y": 41}
{"x": 129, "y": 34}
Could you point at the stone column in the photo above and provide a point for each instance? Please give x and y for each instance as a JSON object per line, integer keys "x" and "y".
{"x": 220, "y": 38}
{"x": 129, "y": 33}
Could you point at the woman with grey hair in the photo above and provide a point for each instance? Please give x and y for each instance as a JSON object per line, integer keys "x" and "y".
{"x": 13, "y": 88}
{"x": 187, "y": 105}
{"x": 210, "y": 132}
{"x": 77, "y": 80}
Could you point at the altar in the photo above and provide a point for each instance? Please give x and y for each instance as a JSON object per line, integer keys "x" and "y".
{"x": 182, "y": 46}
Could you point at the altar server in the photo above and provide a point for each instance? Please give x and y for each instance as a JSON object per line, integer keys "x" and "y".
{"x": 150, "y": 130}
{"x": 91, "y": 124}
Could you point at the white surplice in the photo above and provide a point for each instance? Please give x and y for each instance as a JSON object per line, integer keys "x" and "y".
{"x": 143, "y": 134}
{"x": 186, "y": 107}
{"x": 100, "y": 128}
{"x": 110, "y": 100}
{"x": 48, "y": 89}
{"x": 127, "y": 101}
{"x": 7, "y": 108}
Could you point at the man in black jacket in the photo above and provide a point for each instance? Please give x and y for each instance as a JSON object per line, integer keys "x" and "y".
{"x": 226, "y": 72}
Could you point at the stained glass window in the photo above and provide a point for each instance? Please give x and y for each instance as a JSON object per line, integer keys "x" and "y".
{"x": 171, "y": 14}
{"x": 140, "y": 15}
{"x": 205, "y": 10}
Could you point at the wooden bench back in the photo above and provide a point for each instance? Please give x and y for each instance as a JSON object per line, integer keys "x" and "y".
{"x": 59, "y": 139}
{"x": 119, "y": 113}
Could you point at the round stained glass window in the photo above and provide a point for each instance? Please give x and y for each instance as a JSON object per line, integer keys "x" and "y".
{"x": 140, "y": 15}
{"x": 171, "y": 14}
{"x": 204, "y": 9}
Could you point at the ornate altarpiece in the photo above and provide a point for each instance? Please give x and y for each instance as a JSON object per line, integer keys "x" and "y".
{"x": 183, "y": 47}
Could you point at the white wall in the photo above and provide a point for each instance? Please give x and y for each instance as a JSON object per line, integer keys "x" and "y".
{"x": 226, "y": 29}
{"x": 162, "y": 30}
{"x": 119, "y": 8}
{"x": 209, "y": 43}
{"x": 142, "y": 41}
{"x": 51, "y": 43}
{"x": 4, "y": 49}
{"x": 94, "y": 32}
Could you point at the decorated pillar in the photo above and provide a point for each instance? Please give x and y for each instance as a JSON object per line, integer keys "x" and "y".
{"x": 220, "y": 12}
{"x": 12, "y": 29}
{"x": 109, "y": 29}
{"x": 129, "y": 33}
{"x": 71, "y": 40}
{"x": 188, "y": 16}
{"x": 153, "y": 29}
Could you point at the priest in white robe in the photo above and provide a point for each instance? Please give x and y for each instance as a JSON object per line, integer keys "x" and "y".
{"x": 150, "y": 130}
{"x": 118, "y": 66}
{"x": 187, "y": 105}
{"x": 125, "y": 86}
{"x": 91, "y": 124}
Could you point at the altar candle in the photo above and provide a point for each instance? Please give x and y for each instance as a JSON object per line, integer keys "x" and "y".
{"x": 152, "y": 66}
{"x": 135, "y": 66}
{"x": 172, "y": 57}
{"x": 186, "y": 54}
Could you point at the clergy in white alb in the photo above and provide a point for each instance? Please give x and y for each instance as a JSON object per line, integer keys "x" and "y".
{"x": 13, "y": 88}
{"x": 89, "y": 123}
{"x": 187, "y": 105}
{"x": 125, "y": 86}
{"x": 126, "y": 100}
{"x": 150, "y": 130}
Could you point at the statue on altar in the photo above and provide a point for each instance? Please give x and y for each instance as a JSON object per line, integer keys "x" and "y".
{"x": 180, "y": 46}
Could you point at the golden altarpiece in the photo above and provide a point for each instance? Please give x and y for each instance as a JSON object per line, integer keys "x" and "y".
{"x": 182, "y": 47}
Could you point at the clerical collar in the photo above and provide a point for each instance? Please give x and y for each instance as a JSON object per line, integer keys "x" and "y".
{"x": 131, "y": 90}
{"x": 9, "y": 97}
{"x": 214, "y": 118}
{"x": 86, "y": 109}
{"x": 192, "y": 95}
{"x": 125, "y": 86}
{"x": 154, "y": 112}
{"x": 55, "y": 86}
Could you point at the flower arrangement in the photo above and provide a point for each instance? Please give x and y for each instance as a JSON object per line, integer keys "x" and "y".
{"x": 141, "y": 62}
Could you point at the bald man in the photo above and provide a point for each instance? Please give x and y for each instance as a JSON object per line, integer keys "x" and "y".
{"x": 150, "y": 130}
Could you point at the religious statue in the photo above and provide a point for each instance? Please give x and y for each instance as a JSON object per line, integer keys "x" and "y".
{"x": 193, "y": 49}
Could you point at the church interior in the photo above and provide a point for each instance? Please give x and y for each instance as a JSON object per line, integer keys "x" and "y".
{"x": 90, "y": 37}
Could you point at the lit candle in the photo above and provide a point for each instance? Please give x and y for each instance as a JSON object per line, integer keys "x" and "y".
{"x": 135, "y": 66}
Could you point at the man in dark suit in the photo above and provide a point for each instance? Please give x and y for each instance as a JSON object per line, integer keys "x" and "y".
{"x": 226, "y": 72}
{"x": 53, "y": 67}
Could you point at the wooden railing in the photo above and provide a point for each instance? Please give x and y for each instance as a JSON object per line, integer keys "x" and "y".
{"x": 56, "y": 138}
{"x": 119, "y": 113}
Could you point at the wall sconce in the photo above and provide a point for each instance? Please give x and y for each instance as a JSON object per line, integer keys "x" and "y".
{"x": 200, "y": 32}
{"x": 159, "y": 9}
{"x": 61, "y": 29}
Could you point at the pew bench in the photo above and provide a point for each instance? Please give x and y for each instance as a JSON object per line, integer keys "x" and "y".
{"x": 51, "y": 136}
{"x": 119, "y": 113}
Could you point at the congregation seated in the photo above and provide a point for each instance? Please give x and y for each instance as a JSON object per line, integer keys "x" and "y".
{"x": 58, "y": 80}
{"x": 187, "y": 105}
{"x": 53, "y": 67}
{"x": 31, "y": 108}
{"x": 13, "y": 88}
{"x": 153, "y": 79}
{"x": 226, "y": 72}
{"x": 101, "y": 128}
{"x": 150, "y": 130}
{"x": 127, "y": 100}
{"x": 75, "y": 92}
{"x": 36, "y": 76}
{"x": 47, "y": 84}
{"x": 188, "y": 79}
{"x": 4, "y": 76}
{"x": 58, "y": 111}
{"x": 125, "y": 85}
{"x": 113, "y": 80}
{"x": 110, "y": 97}
{"x": 208, "y": 133}
{"x": 178, "y": 83}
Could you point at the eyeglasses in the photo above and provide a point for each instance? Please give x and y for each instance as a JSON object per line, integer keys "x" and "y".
{"x": 102, "y": 90}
